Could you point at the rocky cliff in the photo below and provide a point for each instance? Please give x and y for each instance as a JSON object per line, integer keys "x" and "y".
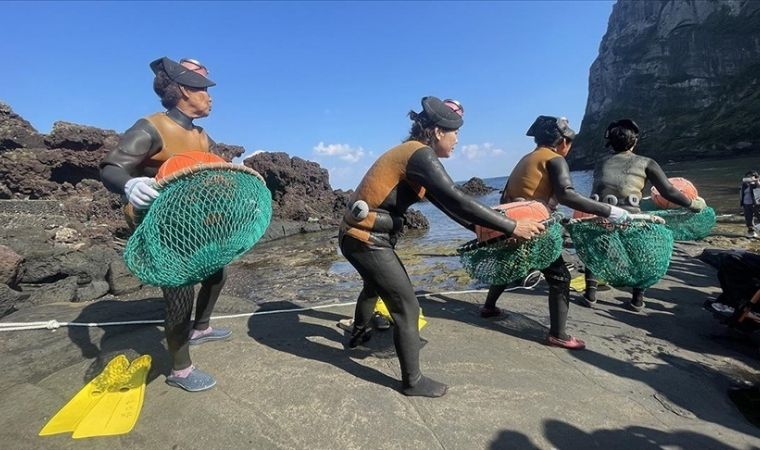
{"x": 63, "y": 166}
{"x": 62, "y": 231}
{"x": 688, "y": 71}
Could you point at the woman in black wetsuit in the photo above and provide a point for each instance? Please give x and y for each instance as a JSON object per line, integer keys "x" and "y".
{"x": 543, "y": 175}
{"x": 130, "y": 168}
{"x": 619, "y": 179}
{"x": 399, "y": 178}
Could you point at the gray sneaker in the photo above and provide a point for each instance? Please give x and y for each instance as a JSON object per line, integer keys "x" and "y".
{"x": 197, "y": 381}
{"x": 217, "y": 334}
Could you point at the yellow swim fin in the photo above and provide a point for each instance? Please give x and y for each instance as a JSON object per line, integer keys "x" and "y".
{"x": 119, "y": 408}
{"x": 383, "y": 310}
{"x": 578, "y": 284}
{"x": 68, "y": 417}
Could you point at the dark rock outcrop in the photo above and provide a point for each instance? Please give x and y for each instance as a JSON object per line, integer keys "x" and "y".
{"x": 120, "y": 279}
{"x": 228, "y": 152}
{"x": 415, "y": 220}
{"x": 15, "y": 132}
{"x": 10, "y": 262}
{"x": 688, "y": 71}
{"x": 63, "y": 231}
{"x": 9, "y": 298}
{"x": 476, "y": 187}
{"x": 76, "y": 137}
{"x": 300, "y": 189}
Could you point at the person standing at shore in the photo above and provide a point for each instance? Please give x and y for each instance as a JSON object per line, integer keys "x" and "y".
{"x": 543, "y": 175}
{"x": 749, "y": 200}
{"x": 619, "y": 179}
{"x": 402, "y": 176}
{"x": 130, "y": 168}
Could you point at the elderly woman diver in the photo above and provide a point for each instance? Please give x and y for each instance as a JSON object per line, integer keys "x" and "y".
{"x": 402, "y": 176}
{"x": 543, "y": 175}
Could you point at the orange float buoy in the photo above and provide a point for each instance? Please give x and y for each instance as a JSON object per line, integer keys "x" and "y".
{"x": 187, "y": 160}
{"x": 516, "y": 211}
{"x": 582, "y": 215}
{"x": 683, "y": 185}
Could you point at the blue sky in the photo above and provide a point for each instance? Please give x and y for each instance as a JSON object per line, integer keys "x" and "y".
{"x": 329, "y": 82}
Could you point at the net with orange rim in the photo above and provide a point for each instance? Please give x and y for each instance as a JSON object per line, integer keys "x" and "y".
{"x": 187, "y": 160}
{"x": 517, "y": 211}
{"x": 201, "y": 221}
{"x": 688, "y": 225}
{"x": 683, "y": 185}
{"x": 494, "y": 259}
{"x": 632, "y": 254}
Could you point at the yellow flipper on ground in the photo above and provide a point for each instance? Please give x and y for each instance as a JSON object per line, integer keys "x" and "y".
{"x": 383, "y": 310}
{"x": 68, "y": 417}
{"x": 119, "y": 408}
{"x": 578, "y": 284}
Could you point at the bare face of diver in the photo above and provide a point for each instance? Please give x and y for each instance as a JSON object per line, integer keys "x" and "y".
{"x": 195, "y": 102}
{"x": 445, "y": 142}
{"x": 563, "y": 148}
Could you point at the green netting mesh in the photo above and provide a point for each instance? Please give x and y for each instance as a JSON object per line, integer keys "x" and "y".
{"x": 647, "y": 204}
{"x": 688, "y": 225}
{"x": 199, "y": 223}
{"x": 634, "y": 254}
{"x": 503, "y": 262}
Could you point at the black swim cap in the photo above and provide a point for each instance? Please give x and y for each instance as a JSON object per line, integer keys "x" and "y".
{"x": 623, "y": 123}
{"x": 437, "y": 113}
{"x": 181, "y": 74}
{"x": 550, "y": 128}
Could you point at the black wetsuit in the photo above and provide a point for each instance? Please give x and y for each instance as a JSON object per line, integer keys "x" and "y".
{"x": 399, "y": 178}
{"x": 620, "y": 178}
{"x": 140, "y": 151}
{"x": 544, "y": 175}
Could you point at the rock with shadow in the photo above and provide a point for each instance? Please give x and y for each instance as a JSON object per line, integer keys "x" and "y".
{"x": 288, "y": 333}
{"x": 686, "y": 388}
{"x": 516, "y": 325}
{"x": 105, "y": 342}
{"x": 564, "y": 435}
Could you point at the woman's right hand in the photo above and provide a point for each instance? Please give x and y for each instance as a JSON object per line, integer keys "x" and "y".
{"x": 527, "y": 229}
{"x": 141, "y": 192}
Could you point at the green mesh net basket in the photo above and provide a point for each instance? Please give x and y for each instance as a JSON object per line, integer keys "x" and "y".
{"x": 632, "y": 254}
{"x": 502, "y": 261}
{"x": 202, "y": 220}
{"x": 688, "y": 225}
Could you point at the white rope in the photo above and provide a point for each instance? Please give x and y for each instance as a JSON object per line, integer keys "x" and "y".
{"x": 54, "y": 324}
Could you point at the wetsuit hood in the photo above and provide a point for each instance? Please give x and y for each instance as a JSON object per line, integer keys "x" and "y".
{"x": 437, "y": 113}
{"x": 181, "y": 74}
{"x": 549, "y": 128}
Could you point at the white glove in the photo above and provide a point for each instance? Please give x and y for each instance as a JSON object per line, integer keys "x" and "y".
{"x": 698, "y": 204}
{"x": 140, "y": 192}
{"x": 618, "y": 215}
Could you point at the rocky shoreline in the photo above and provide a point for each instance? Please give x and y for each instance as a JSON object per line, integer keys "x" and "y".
{"x": 63, "y": 232}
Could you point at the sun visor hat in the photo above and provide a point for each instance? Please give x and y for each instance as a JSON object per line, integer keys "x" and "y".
{"x": 625, "y": 123}
{"x": 437, "y": 113}
{"x": 550, "y": 127}
{"x": 189, "y": 73}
